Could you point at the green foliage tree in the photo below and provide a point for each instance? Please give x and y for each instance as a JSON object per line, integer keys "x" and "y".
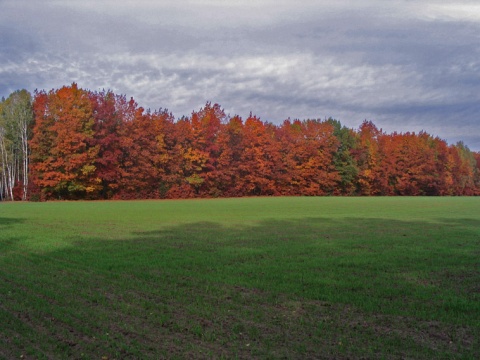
{"x": 343, "y": 158}
{"x": 16, "y": 116}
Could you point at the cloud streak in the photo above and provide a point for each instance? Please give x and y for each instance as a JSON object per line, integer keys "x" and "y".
{"x": 407, "y": 66}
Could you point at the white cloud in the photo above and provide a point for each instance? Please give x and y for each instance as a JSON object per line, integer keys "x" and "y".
{"x": 404, "y": 64}
{"x": 454, "y": 11}
{"x": 183, "y": 79}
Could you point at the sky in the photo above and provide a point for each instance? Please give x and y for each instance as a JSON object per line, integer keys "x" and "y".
{"x": 406, "y": 65}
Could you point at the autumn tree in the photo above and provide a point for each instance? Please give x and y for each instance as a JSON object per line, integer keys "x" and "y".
{"x": 138, "y": 173}
{"x": 287, "y": 134}
{"x": 309, "y": 156}
{"x": 369, "y": 158}
{"x": 408, "y": 164}
{"x": 260, "y": 159}
{"x": 63, "y": 150}
{"x": 207, "y": 125}
{"x": 230, "y": 151}
{"x": 107, "y": 127}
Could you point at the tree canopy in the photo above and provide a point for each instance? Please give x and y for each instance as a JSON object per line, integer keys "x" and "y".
{"x": 72, "y": 143}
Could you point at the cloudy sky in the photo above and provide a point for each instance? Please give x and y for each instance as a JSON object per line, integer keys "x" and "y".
{"x": 406, "y": 65}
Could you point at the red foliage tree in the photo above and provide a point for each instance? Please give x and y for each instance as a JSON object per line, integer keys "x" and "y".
{"x": 145, "y": 157}
{"x": 107, "y": 128}
{"x": 230, "y": 152}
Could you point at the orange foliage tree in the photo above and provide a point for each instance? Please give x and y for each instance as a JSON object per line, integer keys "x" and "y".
{"x": 368, "y": 158}
{"x": 260, "y": 160}
{"x": 308, "y": 151}
{"x": 63, "y": 152}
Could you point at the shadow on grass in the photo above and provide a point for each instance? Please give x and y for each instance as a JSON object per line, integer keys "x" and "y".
{"x": 8, "y": 242}
{"x": 9, "y": 221}
{"x": 295, "y": 288}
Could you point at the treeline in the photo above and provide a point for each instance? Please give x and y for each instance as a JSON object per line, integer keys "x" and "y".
{"x": 76, "y": 144}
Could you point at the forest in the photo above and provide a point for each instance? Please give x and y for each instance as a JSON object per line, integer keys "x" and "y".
{"x": 72, "y": 144}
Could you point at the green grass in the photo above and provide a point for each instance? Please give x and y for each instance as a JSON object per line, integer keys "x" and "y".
{"x": 376, "y": 278}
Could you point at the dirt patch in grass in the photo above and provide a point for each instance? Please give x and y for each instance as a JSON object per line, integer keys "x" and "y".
{"x": 233, "y": 322}
{"x": 462, "y": 281}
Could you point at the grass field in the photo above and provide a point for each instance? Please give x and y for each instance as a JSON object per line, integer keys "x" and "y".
{"x": 372, "y": 278}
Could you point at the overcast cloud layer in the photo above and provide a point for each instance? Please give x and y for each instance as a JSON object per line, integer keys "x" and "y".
{"x": 405, "y": 65}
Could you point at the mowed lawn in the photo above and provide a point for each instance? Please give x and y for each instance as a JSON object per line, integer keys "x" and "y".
{"x": 324, "y": 277}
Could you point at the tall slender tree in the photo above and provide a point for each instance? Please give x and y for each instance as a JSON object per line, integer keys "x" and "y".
{"x": 107, "y": 127}
{"x": 16, "y": 116}
{"x": 207, "y": 124}
{"x": 369, "y": 158}
{"x": 343, "y": 158}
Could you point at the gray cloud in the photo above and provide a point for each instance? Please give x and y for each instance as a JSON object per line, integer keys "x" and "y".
{"x": 406, "y": 66}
